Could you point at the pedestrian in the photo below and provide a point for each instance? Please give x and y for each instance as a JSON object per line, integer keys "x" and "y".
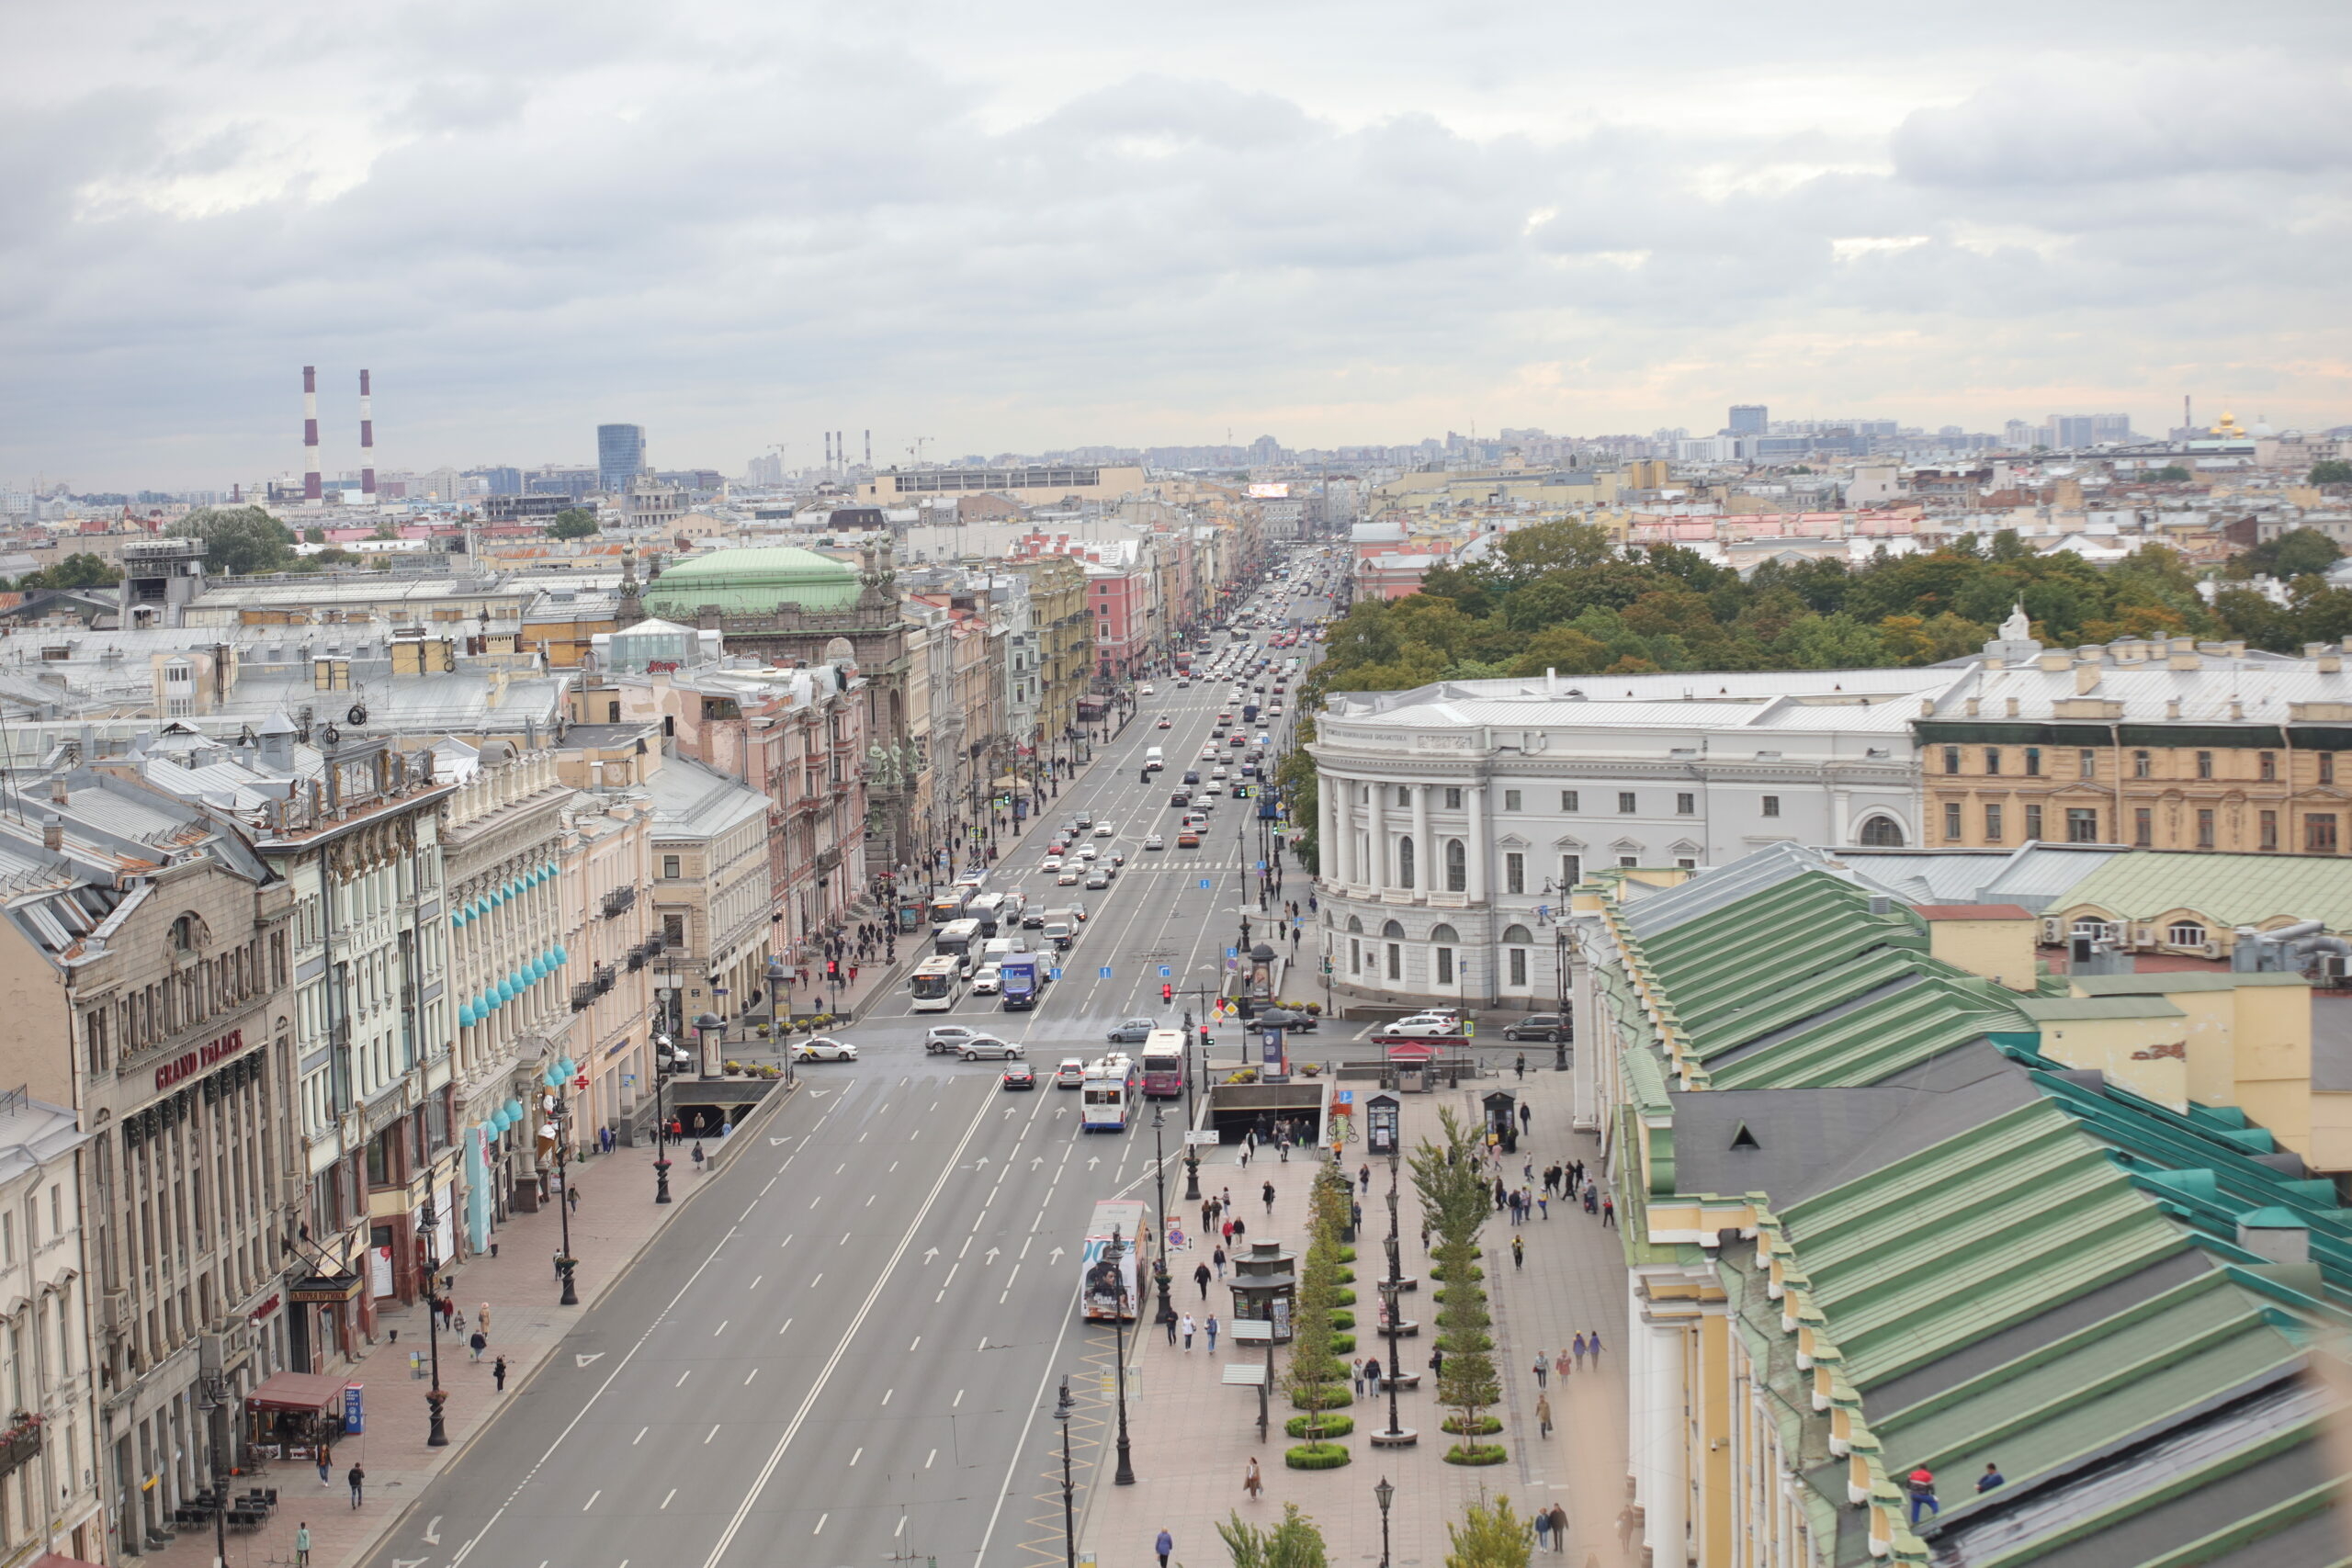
{"x": 698, "y": 1158}
{"x": 1518, "y": 1253}
{"x": 1171, "y": 1331}
{"x": 1267, "y": 1192}
{"x": 481, "y": 1320}
{"x": 1542, "y": 1529}
{"x": 1240, "y": 1229}
{"x": 1188, "y": 1333}
{"x": 1165, "y": 1544}
{"x": 1592, "y": 1343}
{"x": 1363, "y": 1176}
{"x": 1559, "y": 1529}
{"x": 1218, "y": 1257}
{"x": 1544, "y": 1205}
{"x": 1609, "y": 1214}
{"x": 1210, "y": 1330}
{"x": 1526, "y": 1116}
{"x": 1520, "y": 1067}
{"x": 1500, "y": 1194}
{"x": 477, "y": 1343}
{"x": 1991, "y": 1478}
{"x": 1356, "y": 1368}
{"x": 1544, "y": 1415}
{"x": 1200, "y": 1278}
{"x": 571, "y": 1194}
{"x": 1251, "y": 1481}
{"x": 1437, "y": 1364}
{"x": 326, "y": 1459}
{"x": 303, "y": 1545}
{"x": 358, "y": 1479}
{"x": 449, "y": 1314}
{"x": 1543, "y": 1370}
{"x": 1921, "y": 1487}
{"x": 1226, "y": 1231}
{"x": 498, "y": 1373}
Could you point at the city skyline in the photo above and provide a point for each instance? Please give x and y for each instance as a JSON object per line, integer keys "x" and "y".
{"x": 1025, "y": 235}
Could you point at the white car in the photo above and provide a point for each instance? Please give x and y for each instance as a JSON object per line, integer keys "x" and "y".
{"x": 1213, "y": 790}
{"x": 1105, "y": 830}
{"x": 988, "y": 981}
{"x": 946, "y": 1038}
{"x": 1067, "y": 877}
{"x": 1052, "y": 862}
{"x": 1217, "y": 773}
{"x": 824, "y": 1048}
{"x": 1146, "y": 691}
{"x": 1154, "y": 842}
{"x": 1088, "y": 852}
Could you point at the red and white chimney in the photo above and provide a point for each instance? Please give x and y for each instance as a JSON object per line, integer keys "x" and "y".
{"x": 366, "y": 441}
{"x": 311, "y": 490}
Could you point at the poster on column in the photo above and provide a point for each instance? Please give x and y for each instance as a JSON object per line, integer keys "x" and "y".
{"x": 379, "y": 1271}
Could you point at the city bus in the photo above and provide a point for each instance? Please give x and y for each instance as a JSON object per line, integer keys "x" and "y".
{"x": 1163, "y": 1065}
{"x": 1113, "y": 1086}
{"x": 1112, "y": 1288}
{"x": 955, "y": 939}
{"x": 937, "y": 983}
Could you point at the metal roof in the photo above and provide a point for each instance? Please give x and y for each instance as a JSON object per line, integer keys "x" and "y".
{"x": 2226, "y": 890}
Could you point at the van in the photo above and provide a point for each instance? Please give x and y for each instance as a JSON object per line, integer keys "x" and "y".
{"x": 1154, "y": 758}
{"x": 1061, "y": 928}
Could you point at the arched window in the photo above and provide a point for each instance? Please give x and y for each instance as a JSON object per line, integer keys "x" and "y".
{"x": 1883, "y": 832}
{"x": 1355, "y": 925}
{"x": 2186, "y": 934}
{"x": 1442, "y": 967}
{"x": 1447, "y": 935}
{"x": 1516, "y": 936}
{"x": 1516, "y": 942}
{"x": 1393, "y": 931}
{"x": 1457, "y": 866}
{"x": 1405, "y": 860}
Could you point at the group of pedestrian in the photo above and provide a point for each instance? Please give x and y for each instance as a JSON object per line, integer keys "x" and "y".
{"x": 1570, "y": 1360}
{"x": 1186, "y": 1328}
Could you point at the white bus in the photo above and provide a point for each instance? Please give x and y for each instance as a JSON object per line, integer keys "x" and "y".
{"x": 1112, "y": 1287}
{"x": 938, "y": 981}
{"x": 1113, "y": 1087}
{"x": 955, "y": 939}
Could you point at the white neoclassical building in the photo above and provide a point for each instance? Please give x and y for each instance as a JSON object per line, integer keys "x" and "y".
{"x": 1453, "y": 817}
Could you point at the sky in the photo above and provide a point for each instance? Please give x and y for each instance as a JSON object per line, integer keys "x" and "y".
{"x": 1033, "y": 225}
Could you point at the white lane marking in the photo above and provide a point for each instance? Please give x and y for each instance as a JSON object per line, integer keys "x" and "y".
{"x": 887, "y": 1394}
{"x": 772, "y": 1182}
{"x": 592, "y": 1499}
{"x": 929, "y": 1457}
{"x": 817, "y": 1280}
{"x": 787, "y": 1322}
{"x": 755, "y": 1282}
{"x": 957, "y": 1401}
{"x": 749, "y": 1376}
{"x": 841, "y": 1350}
{"x": 707, "y": 1436}
{"x": 813, "y": 1202}
{"x": 720, "y": 1329}
{"x": 820, "y": 1524}
{"x": 910, "y": 1349}
{"x": 673, "y": 1492}
{"x": 640, "y": 1436}
{"x": 747, "y": 1210}
{"x": 682, "y": 1377}
{"x": 855, "y": 1457}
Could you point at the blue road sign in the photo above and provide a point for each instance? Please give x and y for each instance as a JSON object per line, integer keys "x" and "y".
{"x": 1165, "y": 972}
{"x": 1262, "y": 865}
{"x": 1206, "y": 885}
{"x": 1345, "y": 1097}
{"x": 1053, "y": 973}
{"x": 1233, "y": 952}
{"x": 1106, "y": 971}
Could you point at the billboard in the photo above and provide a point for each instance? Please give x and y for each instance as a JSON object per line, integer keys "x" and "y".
{"x": 1270, "y": 493}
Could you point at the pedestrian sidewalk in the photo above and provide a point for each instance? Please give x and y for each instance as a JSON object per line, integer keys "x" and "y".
{"x": 1195, "y": 1435}
{"x": 616, "y": 1220}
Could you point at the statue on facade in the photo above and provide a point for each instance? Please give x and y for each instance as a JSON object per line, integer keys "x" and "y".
{"x": 2018, "y": 627}
{"x": 881, "y": 767}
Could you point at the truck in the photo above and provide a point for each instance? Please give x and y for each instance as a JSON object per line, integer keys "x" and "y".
{"x": 1153, "y": 759}
{"x": 1250, "y": 713}
{"x": 1020, "y": 976}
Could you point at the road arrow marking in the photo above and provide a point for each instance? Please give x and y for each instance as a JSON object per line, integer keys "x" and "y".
{"x": 1036, "y": 1161}
{"x": 991, "y": 1256}
{"x": 409, "y": 1561}
{"x": 1008, "y": 1111}
{"x": 929, "y": 1253}
{"x": 1093, "y": 1160}
{"x": 589, "y": 1360}
{"x": 980, "y": 1159}
{"x": 773, "y": 1141}
{"x": 1056, "y": 1257}
{"x": 433, "y": 1532}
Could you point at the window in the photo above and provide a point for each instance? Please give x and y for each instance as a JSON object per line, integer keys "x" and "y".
{"x": 2081, "y": 825}
{"x": 1952, "y": 759}
{"x": 1404, "y": 795}
{"x": 2033, "y": 762}
{"x": 1625, "y": 802}
{"x": 1568, "y": 800}
{"x": 1571, "y": 870}
{"x": 1951, "y": 821}
{"x": 2086, "y": 763}
{"x": 2319, "y": 834}
{"x": 1771, "y": 805}
{"x": 1514, "y": 871}
{"x": 1629, "y": 862}
{"x": 1993, "y": 824}
{"x": 2187, "y": 933}
{"x": 2144, "y": 828}
{"x": 2033, "y": 823}
{"x": 1519, "y": 966}
{"x": 1992, "y": 759}
{"x": 2143, "y": 765}
{"x": 2204, "y": 764}
{"x": 1355, "y": 956}
{"x": 1686, "y": 863}
{"x": 1453, "y": 799}
{"x": 673, "y": 931}
{"x": 1396, "y": 962}
{"x": 1405, "y": 860}
{"x": 1457, "y": 868}
{"x": 1883, "y": 832}
{"x": 2204, "y": 826}
{"x": 2266, "y": 765}
{"x": 1686, "y": 805}
{"x": 2268, "y": 822}
{"x": 2327, "y": 767}
{"x": 1445, "y": 966}
{"x": 670, "y": 868}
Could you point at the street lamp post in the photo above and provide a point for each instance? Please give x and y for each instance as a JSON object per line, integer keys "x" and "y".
{"x": 1062, "y": 1412}
{"x": 1159, "y": 1176}
{"x": 1385, "y": 1493}
{"x": 563, "y": 1124}
{"x": 663, "y": 1046}
{"x": 778, "y": 977}
{"x": 1392, "y": 1288}
{"x": 438, "y": 1435}
{"x": 1125, "y": 1474}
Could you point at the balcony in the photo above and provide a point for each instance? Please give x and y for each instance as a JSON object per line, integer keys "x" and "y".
{"x": 619, "y": 901}
{"x": 582, "y": 995}
{"x": 605, "y": 976}
{"x": 20, "y": 1443}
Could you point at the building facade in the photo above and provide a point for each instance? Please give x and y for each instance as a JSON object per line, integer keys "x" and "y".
{"x": 712, "y": 897}
{"x": 51, "y": 1467}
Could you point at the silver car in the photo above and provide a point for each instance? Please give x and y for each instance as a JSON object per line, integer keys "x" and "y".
{"x": 978, "y": 1046}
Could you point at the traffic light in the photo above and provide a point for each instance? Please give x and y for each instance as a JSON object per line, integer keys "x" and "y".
{"x": 1166, "y": 992}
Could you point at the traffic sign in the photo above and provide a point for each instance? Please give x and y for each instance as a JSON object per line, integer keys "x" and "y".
{"x": 1165, "y": 972}
{"x": 1053, "y": 973}
{"x": 1197, "y": 1136}
{"x": 1345, "y": 1097}
{"x": 1205, "y": 883}
{"x": 1106, "y": 972}
{"x": 1233, "y": 952}
{"x": 1260, "y": 865}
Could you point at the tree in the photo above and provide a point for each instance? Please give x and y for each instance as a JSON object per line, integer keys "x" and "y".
{"x": 1314, "y": 1378}
{"x": 573, "y": 523}
{"x": 2332, "y": 471}
{"x": 74, "y": 572}
{"x": 1491, "y": 1535}
{"x": 1297, "y": 1542}
{"x": 2171, "y": 474}
{"x": 2293, "y": 554}
{"x": 239, "y": 540}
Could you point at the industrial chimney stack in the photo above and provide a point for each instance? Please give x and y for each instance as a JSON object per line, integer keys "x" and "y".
{"x": 366, "y": 443}
{"x": 310, "y": 492}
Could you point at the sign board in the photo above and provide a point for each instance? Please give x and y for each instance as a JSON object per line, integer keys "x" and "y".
{"x": 1105, "y": 972}
{"x": 355, "y": 1408}
{"x": 1344, "y": 1096}
{"x": 1198, "y": 1135}
{"x": 1206, "y": 885}
{"x": 1053, "y": 973}
{"x": 1165, "y": 972}
{"x": 1233, "y": 952}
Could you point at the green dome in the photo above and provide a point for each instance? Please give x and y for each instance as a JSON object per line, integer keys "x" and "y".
{"x": 753, "y": 583}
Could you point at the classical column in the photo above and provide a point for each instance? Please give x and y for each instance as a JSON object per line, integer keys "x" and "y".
{"x": 1666, "y": 1495}
{"x": 1326, "y": 814}
{"x": 1376, "y": 828}
{"x": 1425, "y": 862}
{"x": 1480, "y": 851}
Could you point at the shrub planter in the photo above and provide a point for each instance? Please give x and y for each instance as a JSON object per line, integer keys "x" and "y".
{"x": 1487, "y": 1425}
{"x": 1343, "y": 1344}
{"x": 1336, "y": 1397}
{"x": 1347, "y": 1255}
{"x": 1343, "y": 1298}
{"x": 1343, "y": 1320}
{"x": 1437, "y": 1271}
{"x": 1325, "y": 1456}
{"x": 1484, "y": 1453}
{"x": 1326, "y": 1429}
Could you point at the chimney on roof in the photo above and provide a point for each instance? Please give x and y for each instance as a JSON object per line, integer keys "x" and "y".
{"x": 58, "y": 794}
{"x": 52, "y": 832}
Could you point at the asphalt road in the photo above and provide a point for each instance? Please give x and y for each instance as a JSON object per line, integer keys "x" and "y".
{"x": 846, "y": 1349}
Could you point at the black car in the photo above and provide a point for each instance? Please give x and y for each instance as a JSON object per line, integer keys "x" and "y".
{"x": 1549, "y": 1028}
{"x": 1191, "y": 775}
{"x": 1182, "y": 797}
{"x": 1286, "y": 1018}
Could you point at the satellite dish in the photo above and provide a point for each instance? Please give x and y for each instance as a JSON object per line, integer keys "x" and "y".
{"x": 330, "y": 734}
{"x": 357, "y": 716}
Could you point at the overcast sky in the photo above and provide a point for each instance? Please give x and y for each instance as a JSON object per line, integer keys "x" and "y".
{"x": 1032, "y": 224}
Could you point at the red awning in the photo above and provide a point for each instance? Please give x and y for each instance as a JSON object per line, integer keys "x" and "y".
{"x": 297, "y": 1391}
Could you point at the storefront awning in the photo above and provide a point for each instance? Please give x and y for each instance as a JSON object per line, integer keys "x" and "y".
{"x": 307, "y": 1391}
{"x": 326, "y": 1290}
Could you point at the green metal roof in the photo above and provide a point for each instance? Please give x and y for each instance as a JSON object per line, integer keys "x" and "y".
{"x": 2178, "y": 980}
{"x": 2228, "y": 890}
{"x": 753, "y": 581}
{"x": 2066, "y": 1009}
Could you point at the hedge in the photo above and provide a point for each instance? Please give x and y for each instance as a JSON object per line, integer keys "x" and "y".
{"x": 1485, "y": 1453}
{"x": 1336, "y": 1397}
{"x": 1328, "y": 1427}
{"x": 1343, "y": 1320}
{"x": 1343, "y": 1344}
{"x": 1487, "y": 1425}
{"x": 1320, "y": 1456}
